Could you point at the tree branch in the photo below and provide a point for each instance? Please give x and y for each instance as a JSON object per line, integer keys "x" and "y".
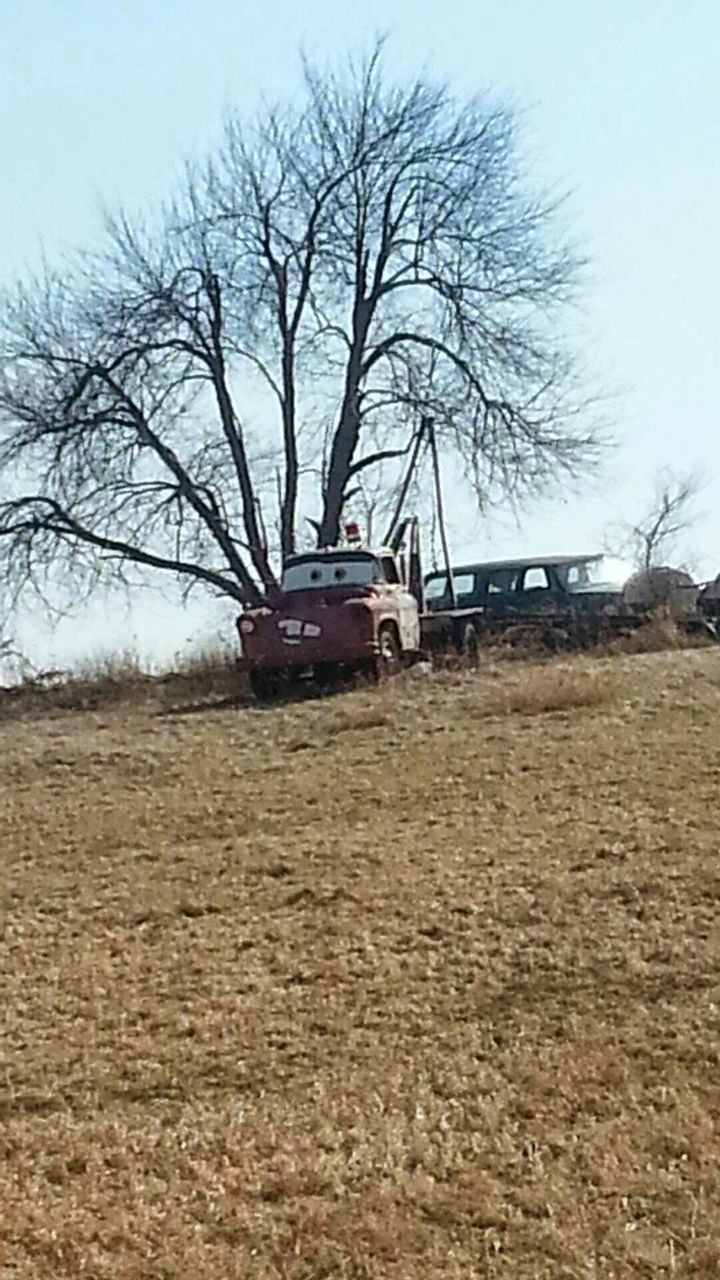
{"x": 65, "y": 525}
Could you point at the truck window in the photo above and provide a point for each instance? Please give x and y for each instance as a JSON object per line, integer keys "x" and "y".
{"x": 596, "y": 574}
{"x": 390, "y": 569}
{"x": 436, "y": 588}
{"x": 464, "y": 584}
{"x": 576, "y": 576}
{"x": 498, "y": 581}
{"x": 535, "y": 579}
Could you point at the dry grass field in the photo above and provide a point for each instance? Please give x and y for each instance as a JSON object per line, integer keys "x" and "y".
{"x": 415, "y": 982}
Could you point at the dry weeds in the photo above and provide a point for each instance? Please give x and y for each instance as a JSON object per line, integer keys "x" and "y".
{"x": 109, "y": 681}
{"x": 537, "y": 690}
{"x": 412, "y": 983}
{"x": 659, "y": 634}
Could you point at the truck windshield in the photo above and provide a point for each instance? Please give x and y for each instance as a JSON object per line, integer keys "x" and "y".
{"x": 436, "y": 588}
{"x": 603, "y": 573}
{"x": 320, "y": 572}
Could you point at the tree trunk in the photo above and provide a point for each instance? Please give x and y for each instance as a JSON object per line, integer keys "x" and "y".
{"x": 289, "y": 498}
{"x": 346, "y": 433}
{"x": 258, "y": 551}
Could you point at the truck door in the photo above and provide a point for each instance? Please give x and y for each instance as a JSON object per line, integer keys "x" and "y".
{"x": 408, "y": 614}
{"x": 536, "y": 589}
{"x": 498, "y": 592}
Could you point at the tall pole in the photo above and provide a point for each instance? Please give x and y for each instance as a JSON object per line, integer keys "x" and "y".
{"x": 420, "y": 435}
{"x": 441, "y": 511}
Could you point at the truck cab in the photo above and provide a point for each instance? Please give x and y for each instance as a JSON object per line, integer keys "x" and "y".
{"x": 338, "y": 609}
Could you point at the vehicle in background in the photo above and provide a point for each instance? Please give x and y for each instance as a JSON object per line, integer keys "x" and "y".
{"x": 579, "y": 584}
{"x": 563, "y": 601}
{"x": 663, "y": 587}
{"x": 709, "y": 604}
{"x": 559, "y": 601}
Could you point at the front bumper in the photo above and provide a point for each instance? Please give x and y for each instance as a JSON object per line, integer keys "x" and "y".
{"x": 280, "y": 655}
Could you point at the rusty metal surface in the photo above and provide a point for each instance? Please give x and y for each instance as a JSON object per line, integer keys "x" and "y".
{"x": 307, "y": 629}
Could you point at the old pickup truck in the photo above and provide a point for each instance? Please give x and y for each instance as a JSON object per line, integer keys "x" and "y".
{"x": 338, "y": 610}
{"x": 562, "y": 601}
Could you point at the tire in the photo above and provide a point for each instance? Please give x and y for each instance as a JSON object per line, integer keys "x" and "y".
{"x": 470, "y": 646}
{"x": 389, "y": 657}
{"x": 365, "y": 673}
{"x": 266, "y": 685}
{"x": 326, "y": 676}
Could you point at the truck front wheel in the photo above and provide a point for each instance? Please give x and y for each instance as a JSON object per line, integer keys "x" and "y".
{"x": 389, "y": 658}
{"x": 266, "y": 685}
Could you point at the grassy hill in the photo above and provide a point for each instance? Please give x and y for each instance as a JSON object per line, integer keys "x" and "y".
{"x": 414, "y": 982}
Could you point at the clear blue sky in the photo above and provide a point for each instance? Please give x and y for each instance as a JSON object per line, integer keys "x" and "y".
{"x": 101, "y": 99}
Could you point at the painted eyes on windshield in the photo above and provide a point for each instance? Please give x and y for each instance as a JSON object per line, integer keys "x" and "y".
{"x": 339, "y": 574}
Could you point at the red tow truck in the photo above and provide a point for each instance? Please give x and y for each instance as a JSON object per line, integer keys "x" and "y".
{"x": 339, "y": 610}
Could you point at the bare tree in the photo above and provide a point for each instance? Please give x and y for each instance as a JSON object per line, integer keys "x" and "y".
{"x": 339, "y": 269}
{"x": 653, "y": 538}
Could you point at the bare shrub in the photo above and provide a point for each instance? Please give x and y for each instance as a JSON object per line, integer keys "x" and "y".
{"x": 102, "y": 681}
{"x": 209, "y": 672}
{"x": 116, "y": 680}
{"x": 659, "y": 633}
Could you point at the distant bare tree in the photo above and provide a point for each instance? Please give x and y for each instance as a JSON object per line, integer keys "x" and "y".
{"x": 342, "y": 267}
{"x": 653, "y": 537}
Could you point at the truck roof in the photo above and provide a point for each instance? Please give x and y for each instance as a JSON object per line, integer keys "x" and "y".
{"x": 521, "y": 562}
{"x": 344, "y": 553}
